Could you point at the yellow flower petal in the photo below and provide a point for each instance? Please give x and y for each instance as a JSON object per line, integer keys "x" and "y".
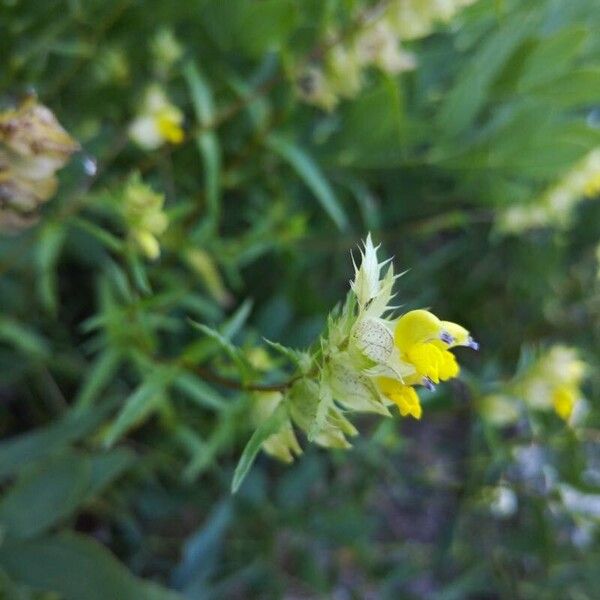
{"x": 168, "y": 124}
{"x": 416, "y": 327}
{"x": 563, "y": 399}
{"x": 403, "y": 396}
{"x": 427, "y": 360}
{"x": 449, "y": 368}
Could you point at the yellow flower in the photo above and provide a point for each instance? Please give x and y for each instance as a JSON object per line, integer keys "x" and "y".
{"x": 168, "y": 123}
{"x": 555, "y": 206}
{"x": 423, "y": 341}
{"x": 143, "y": 212}
{"x": 553, "y": 382}
{"x": 403, "y": 396}
{"x": 159, "y": 121}
{"x": 397, "y": 354}
{"x": 592, "y": 186}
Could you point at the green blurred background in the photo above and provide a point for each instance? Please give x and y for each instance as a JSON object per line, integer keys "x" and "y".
{"x": 106, "y": 449}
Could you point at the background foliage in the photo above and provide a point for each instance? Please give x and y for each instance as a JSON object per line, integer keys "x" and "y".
{"x": 116, "y": 458}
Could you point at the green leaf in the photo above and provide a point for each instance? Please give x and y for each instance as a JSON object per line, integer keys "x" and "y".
{"x": 204, "y": 452}
{"x": 17, "y": 452}
{"x": 580, "y": 87}
{"x": 232, "y": 351}
{"x": 97, "y": 377}
{"x": 106, "y": 467}
{"x": 367, "y": 202}
{"x": 201, "y": 93}
{"x": 206, "y": 140}
{"x": 76, "y": 568}
{"x": 138, "y": 406}
{"x": 296, "y": 357}
{"x": 552, "y": 56}
{"x": 250, "y": 27}
{"x": 112, "y": 242}
{"x": 201, "y": 393}
{"x": 266, "y": 25}
{"x": 264, "y": 431}
{"x": 48, "y": 250}
{"x": 470, "y": 92}
{"x": 138, "y": 270}
{"x": 202, "y": 552}
{"x": 202, "y": 349}
{"x": 309, "y": 171}
{"x": 44, "y": 495}
{"x": 22, "y": 338}
{"x": 238, "y": 319}
{"x": 372, "y": 128}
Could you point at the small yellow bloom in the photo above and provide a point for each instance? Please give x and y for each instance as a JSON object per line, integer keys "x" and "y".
{"x": 424, "y": 340}
{"x": 159, "y": 121}
{"x": 168, "y": 122}
{"x": 142, "y": 210}
{"x": 592, "y": 186}
{"x": 553, "y": 382}
{"x": 563, "y": 399}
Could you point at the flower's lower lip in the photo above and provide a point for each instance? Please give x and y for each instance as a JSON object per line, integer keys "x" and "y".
{"x": 428, "y": 384}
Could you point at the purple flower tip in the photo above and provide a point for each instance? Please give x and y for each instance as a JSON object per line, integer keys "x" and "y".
{"x": 428, "y": 384}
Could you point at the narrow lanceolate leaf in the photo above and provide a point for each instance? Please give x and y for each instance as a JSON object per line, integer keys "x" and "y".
{"x": 206, "y": 140}
{"x": 266, "y": 429}
{"x": 299, "y": 359}
{"x": 310, "y": 173}
{"x": 464, "y": 102}
{"x": 22, "y": 338}
{"x": 51, "y": 242}
{"x": 202, "y": 351}
{"x": 98, "y": 376}
{"x": 234, "y": 324}
{"x": 138, "y": 406}
{"x": 197, "y": 390}
{"x": 233, "y": 352}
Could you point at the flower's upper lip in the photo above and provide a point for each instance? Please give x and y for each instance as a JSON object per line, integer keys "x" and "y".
{"x": 471, "y": 343}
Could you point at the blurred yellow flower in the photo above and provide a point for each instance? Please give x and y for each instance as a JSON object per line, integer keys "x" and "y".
{"x": 377, "y": 43}
{"x": 556, "y": 205}
{"x": 158, "y": 122}
{"x": 553, "y": 382}
{"x": 142, "y": 210}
